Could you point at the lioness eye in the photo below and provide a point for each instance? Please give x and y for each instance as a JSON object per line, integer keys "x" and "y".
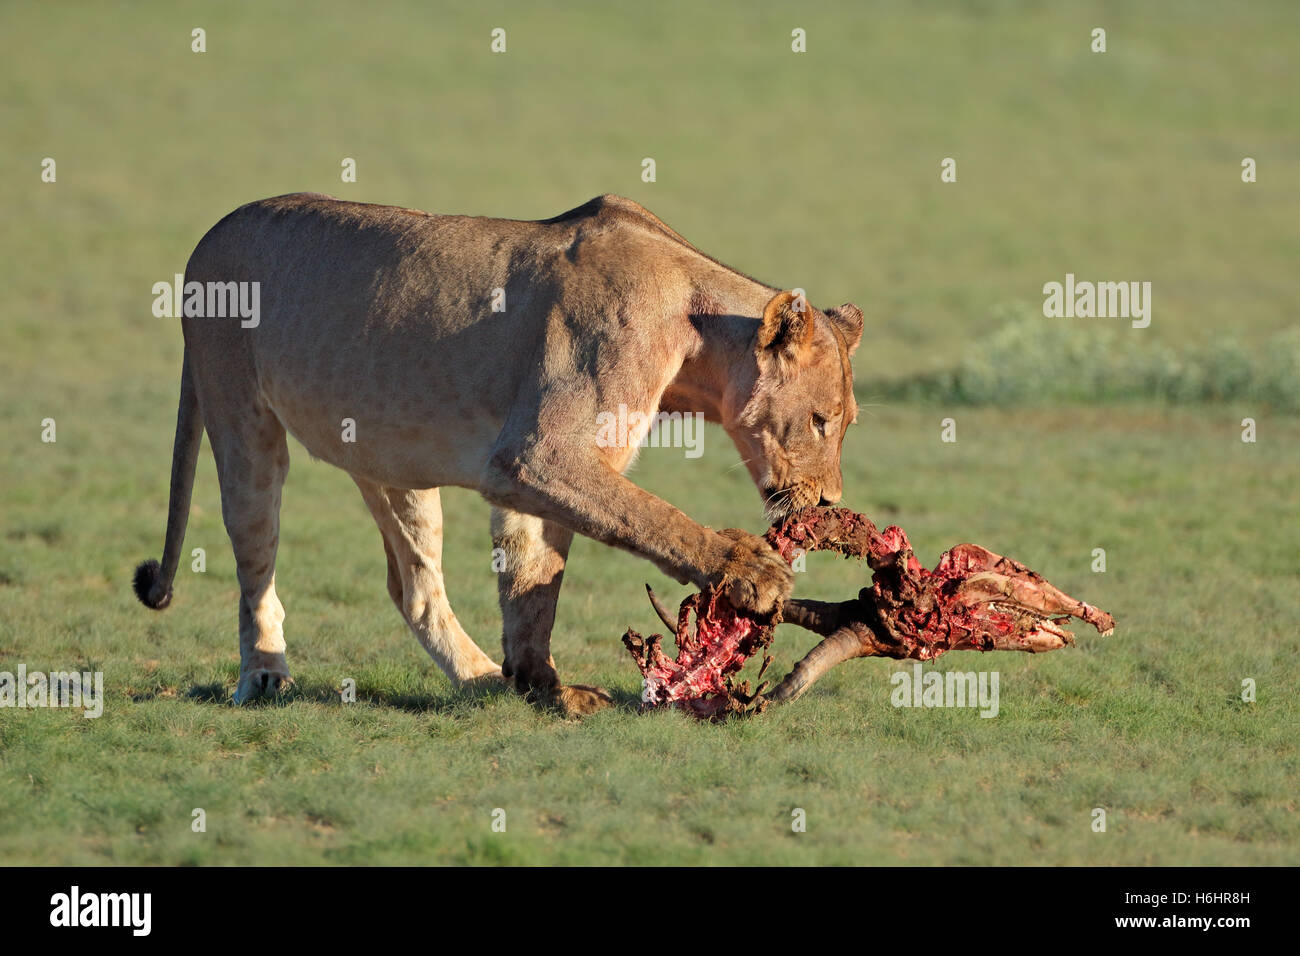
{"x": 819, "y": 424}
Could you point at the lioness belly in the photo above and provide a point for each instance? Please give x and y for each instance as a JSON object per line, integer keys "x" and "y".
{"x": 405, "y": 407}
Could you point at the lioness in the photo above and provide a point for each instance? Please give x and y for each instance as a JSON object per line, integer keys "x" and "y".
{"x": 386, "y": 316}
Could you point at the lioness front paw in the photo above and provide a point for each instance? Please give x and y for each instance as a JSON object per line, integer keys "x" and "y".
{"x": 486, "y": 682}
{"x": 579, "y": 700}
{"x": 755, "y": 577}
{"x": 263, "y": 680}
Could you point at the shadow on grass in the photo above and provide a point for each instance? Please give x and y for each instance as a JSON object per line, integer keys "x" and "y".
{"x": 418, "y": 702}
{"x": 625, "y": 699}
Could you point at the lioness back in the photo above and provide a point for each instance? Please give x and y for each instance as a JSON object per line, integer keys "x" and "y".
{"x": 400, "y": 320}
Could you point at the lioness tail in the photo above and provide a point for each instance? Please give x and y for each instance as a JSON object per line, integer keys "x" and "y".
{"x": 153, "y": 581}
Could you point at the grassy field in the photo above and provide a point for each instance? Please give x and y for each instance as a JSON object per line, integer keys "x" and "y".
{"x": 819, "y": 170}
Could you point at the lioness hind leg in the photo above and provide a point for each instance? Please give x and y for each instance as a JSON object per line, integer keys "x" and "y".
{"x": 533, "y": 553}
{"x": 252, "y": 461}
{"x": 411, "y": 523}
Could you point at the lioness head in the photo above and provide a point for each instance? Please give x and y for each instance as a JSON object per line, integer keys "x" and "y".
{"x": 790, "y": 425}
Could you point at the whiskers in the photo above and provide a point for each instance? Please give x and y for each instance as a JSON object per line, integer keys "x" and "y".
{"x": 778, "y": 504}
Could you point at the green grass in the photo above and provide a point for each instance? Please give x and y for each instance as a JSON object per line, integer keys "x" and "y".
{"x": 1037, "y": 360}
{"x": 1147, "y": 724}
{"x": 819, "y": 171}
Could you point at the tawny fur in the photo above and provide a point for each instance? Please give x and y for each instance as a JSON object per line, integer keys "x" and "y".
{"x": 384, "y": 315}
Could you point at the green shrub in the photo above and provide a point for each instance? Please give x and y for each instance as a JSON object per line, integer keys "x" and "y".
{"x": 1031, "y": 359}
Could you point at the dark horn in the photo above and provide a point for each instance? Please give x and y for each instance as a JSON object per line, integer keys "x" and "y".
{"x": 820, "y": 617}
{"x": 664, "y": 615}
{"x": 841, "y": 646}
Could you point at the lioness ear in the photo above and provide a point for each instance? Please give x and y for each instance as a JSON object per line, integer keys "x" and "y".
{"x": 787, "y": 326}
{"x": 848, "y": 319}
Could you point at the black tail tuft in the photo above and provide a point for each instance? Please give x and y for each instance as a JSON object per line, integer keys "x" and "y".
{"x": 147, "y": 583}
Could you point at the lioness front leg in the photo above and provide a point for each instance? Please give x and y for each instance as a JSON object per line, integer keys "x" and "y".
{"x": 532, "y": 554}
{"x": 594, "y": 500}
